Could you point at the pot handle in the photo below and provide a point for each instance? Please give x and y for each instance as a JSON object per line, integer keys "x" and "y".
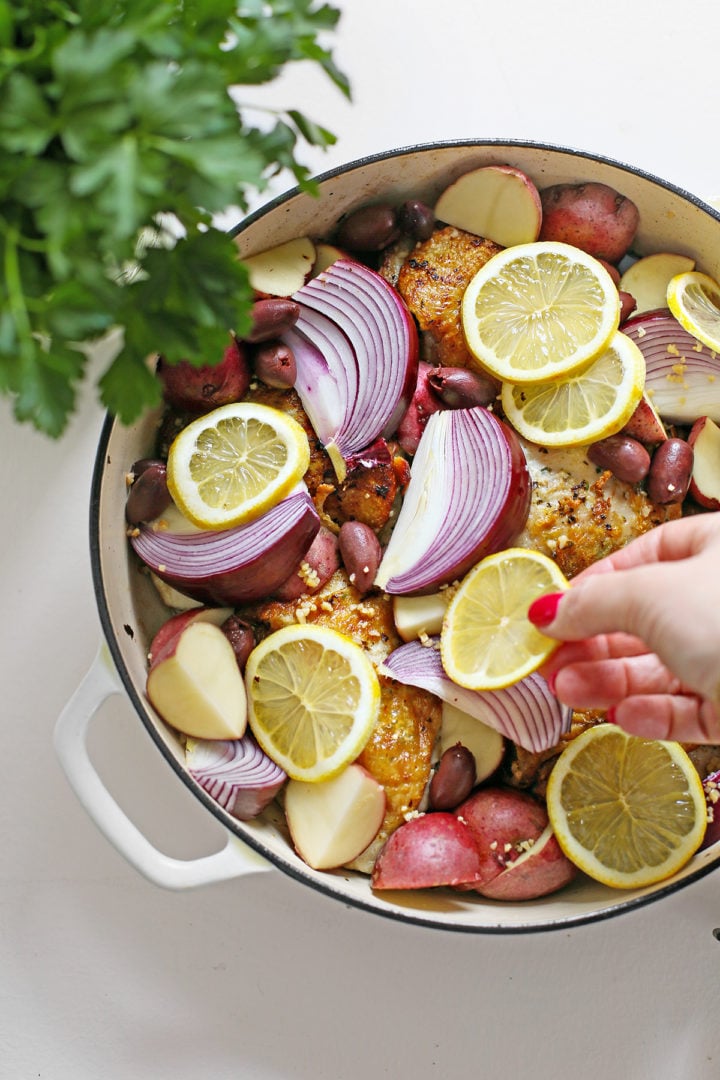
{"x": 236, "y": 859}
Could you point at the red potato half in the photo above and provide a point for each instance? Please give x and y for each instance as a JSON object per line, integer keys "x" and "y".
{"x": 645, "y": 424}
{"x": 196, "y": 685}
{"x": 502, "y": 821}
{"x": 198, "y": 390}
{"x": 591, "y": 216}
{"x": 168, "y": 633}
{"x": 704, "y": 438}
{"x": 497, "y": 202}
{"x": 428, "y": 851}
{"x": 541, "y": 870}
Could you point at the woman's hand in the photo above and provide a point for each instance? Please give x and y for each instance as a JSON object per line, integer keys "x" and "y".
{"x": 641, "y": 633}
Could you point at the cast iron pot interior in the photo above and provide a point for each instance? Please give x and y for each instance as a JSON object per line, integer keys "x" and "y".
{"x": 130, "y": 609}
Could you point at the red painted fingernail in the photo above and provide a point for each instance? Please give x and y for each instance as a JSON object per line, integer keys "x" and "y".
{"x": 551, "y": 680}
{"x": 611, "y": 715}
{"x": 543, "y": 610}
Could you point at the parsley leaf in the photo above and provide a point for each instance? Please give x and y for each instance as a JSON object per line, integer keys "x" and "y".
{"x": 111, "y": 117}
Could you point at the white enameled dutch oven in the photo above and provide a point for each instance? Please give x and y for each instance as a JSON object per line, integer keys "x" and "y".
{"x": 130, "y": 610}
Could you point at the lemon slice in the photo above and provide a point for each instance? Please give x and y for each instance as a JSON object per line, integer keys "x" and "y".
{"x": 694, "y": 300}
{"x": 231, "y": 465}
{"x": 583, "y": 407}
{"x": 627, "y": 811}
{"x": 313, "y": 699}
{"x": 487, "y": 641}
{"x": 538, "y": 311}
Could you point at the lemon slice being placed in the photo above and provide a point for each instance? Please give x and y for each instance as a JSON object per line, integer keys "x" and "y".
{"x": 538, "y": 311}
{"x": 231, "y": 465}
{"x": 580, "y": 408}
{"x": 487, "y": 641}
{"x": 313, "y": 699}
{"x": 627, "y": 811}
{"x": 694, "y": 300}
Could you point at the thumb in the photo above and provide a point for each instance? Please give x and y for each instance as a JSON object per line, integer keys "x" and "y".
{"x": 629, "y": 601}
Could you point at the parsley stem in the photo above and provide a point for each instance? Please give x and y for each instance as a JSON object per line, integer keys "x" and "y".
{"x": 16, "y": 295}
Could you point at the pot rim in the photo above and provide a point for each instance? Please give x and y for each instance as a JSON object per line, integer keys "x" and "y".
{"x": 325, "y": 884}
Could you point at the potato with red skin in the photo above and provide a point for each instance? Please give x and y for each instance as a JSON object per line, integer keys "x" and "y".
{"x": 503, "y": 821}
{"x": 167, "y": 634}
{"x": 198, "y": 390}
{"x": 428, "y": 851}
{"x": 590, "y": 216}
{"x": 704, "y": 440}
{"x": 539, "y": 871}
{"x": 645, "y": 424}
{"x": 521, "y": 858}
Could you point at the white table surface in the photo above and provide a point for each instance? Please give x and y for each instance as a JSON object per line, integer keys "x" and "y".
{"x": 103, "y": 975}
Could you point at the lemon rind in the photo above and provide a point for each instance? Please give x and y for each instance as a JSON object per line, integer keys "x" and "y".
{"x": 586, "y": 860}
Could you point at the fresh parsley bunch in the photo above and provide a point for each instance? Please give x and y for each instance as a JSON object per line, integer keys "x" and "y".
{"x": 114, "y": 115}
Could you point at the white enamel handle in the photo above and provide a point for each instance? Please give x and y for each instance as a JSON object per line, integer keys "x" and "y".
{"x": 236, "y": 859}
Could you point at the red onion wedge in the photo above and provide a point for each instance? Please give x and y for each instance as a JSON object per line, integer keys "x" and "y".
{"x": 682, "y": 375}
{"x": 527, "y": 712}
{"x": 356, "y": 352}
{"x": 233, "y": 566}
{"x": 236, "y": 773}
{"x": 468, "y": 496}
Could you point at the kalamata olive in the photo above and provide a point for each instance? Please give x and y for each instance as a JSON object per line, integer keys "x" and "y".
{"x": 241, "y": 636}
{"x": 628, "y": 303}
{"x": 274, "y": 364}
{"x": 148, "y": 497}
{"x": 270, "y": 318}
{"x": 460, "y": 388}
{"x": 416, "y": 219}
{"x": 670, "y": 471}
{"x": 454, "y": 778}
{"x": 138, "y": 467}
{"x": 371, "y": 228}
{"x": 626, "y": 458}
{"x": 360, "y": 552}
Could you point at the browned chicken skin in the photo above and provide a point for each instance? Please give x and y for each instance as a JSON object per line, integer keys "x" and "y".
{"x": 432, "y": 280}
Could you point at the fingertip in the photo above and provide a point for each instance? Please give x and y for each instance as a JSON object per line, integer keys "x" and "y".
{"x": 543, "y": 611}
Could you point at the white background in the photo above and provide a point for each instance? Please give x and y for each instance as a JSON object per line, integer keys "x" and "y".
{"x": 104, "y": 975}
